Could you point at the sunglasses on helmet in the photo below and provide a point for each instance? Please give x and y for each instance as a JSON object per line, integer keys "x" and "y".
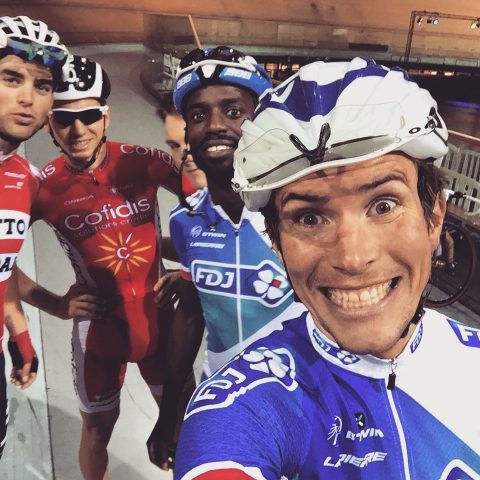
{"x": 67, "y": 116}
{"x": 225, "y": 54}
{"x": 49, "y": 55}
{"x": 222, "y": 55}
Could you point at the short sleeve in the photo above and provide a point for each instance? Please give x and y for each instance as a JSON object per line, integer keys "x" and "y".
{"x": 163, "y": 171}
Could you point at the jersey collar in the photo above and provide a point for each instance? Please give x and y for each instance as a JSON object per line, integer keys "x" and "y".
{"x": 367, "y": 365}
{"x": 4, "y": 157}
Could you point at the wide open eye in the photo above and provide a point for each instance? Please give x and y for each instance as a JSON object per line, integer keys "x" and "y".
{"x": 382, "y": 206}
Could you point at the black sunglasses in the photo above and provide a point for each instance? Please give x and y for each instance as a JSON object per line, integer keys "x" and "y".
{"x": 225, "y": 54}
{"x": 67, "y": 116}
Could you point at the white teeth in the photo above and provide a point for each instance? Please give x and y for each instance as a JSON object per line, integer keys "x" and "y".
{"x": 350, "y": 299}
{"x": 218, "y": 148}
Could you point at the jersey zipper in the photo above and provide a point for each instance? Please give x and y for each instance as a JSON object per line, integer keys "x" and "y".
{"x": 94, "y": 179}
{"x": 237, "y": 283}
{"x": 392, "y": 375}
{"x": 390, "y": 390}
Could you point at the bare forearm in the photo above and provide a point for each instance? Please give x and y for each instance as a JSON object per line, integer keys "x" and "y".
{"x": 13, "y": 313}
{"x": 34, "y": 294}
{"x": 185, "y": 340}
{"x": 168, "y": 250}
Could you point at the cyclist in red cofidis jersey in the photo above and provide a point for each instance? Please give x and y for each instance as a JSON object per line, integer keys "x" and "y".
{"x": 100, "y": 198}
{"x": 31, "y": 60}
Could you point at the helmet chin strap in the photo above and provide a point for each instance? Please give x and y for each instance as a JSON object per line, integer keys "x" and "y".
{"x": 183, "y": 201}
{"x": 94, "y": 157}
{"x": 419, "y": 312}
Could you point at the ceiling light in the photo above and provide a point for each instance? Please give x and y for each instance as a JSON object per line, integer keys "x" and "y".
{"x": 475, "y": 24}
{"x": 435, "y": 20}
{"x": 420, "y": 21}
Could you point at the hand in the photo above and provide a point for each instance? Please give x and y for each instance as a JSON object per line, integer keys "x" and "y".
{"x": 24, "y": 360}
{"x": 160, "y": 452}
{"x": 166, "y": 289}
{"x": 81, "y": 301}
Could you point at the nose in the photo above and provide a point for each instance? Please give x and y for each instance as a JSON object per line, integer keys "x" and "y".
{"x": 216, "y": 121}
{"x": 26, "y": 94}
{"x": 356, "y": 247}
{"x": 78, "y": 127}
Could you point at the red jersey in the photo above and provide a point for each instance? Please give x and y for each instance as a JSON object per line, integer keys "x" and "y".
{"x": 107, "y": 220}
{"x": 187, "y": 187}
{"x": 18, "y": 187}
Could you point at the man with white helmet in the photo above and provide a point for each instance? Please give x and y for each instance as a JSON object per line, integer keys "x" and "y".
{"x": 100, "y": 197}
{"x": 31, "y": 59}
{"x": 367, "y": 384}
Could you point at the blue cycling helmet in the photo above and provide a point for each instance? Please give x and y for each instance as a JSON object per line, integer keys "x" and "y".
{"x": 331, "y": 115}
{"x": 219, "y": 65}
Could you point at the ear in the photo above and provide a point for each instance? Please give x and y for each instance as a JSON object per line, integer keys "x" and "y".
{"x": 278, "y": 251}
{"x": 436, "y": 223}
{"x": 46, "y": 125}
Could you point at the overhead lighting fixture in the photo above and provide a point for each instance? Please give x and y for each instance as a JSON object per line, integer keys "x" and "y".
{"x": 434, "y": 20}
{"x": 420, "y": 21}
{"x": 475, "y": 24}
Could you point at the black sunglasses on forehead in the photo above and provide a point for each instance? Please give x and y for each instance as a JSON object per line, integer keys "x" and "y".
{"x": 87, "y": 116}
{"x": 226, "y": 54}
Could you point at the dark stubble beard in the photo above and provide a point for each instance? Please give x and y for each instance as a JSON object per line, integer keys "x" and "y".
{"x": 13, "y": 141}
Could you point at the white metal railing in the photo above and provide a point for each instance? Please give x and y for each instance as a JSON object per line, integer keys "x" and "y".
{"x": 461, "y": 167}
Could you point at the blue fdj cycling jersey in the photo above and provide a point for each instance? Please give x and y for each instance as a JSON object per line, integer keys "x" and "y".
{"x": 241, "y": 283}
{"x": 295, "y": 405}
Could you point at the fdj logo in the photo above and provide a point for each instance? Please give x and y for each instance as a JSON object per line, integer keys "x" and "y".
{"x": 264, "y": 282}
{"x": 245, "y": 372}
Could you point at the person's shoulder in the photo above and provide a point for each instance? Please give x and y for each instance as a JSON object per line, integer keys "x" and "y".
{"x": 268, "y": 368}
{"x": 448, "y": 331}
{"x": 23, "y": 166}
{"x": 53, "y": 169}
{"x": 198, "y": 202}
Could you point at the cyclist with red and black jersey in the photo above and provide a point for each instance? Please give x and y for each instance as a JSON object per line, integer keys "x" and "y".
{"x": 100, "y": 197}
{"x": 31, "y": 59}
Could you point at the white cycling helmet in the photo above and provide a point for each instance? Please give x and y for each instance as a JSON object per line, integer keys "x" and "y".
{"x": 32, "y": 40}
{"x": 83, "y": 78}
{"x": 330, "y": 115}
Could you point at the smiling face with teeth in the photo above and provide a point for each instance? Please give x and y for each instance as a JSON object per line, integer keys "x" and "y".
{"x": 214, "y": 115}
{"x": 78, "y": 140}
{"x": 358, "y": 249}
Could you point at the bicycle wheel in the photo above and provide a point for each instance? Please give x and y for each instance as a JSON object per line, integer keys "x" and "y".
{"x": 449, "y": 284}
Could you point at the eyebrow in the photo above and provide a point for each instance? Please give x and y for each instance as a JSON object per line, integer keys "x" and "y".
{"x": 224, "y": 103}
{"x": 303, "y": 197}
{"x": 12, "y": 73}
{"x": 307, "y": 197}
{"x": 16, "y": 74}
{"x": 392, "y": 177}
